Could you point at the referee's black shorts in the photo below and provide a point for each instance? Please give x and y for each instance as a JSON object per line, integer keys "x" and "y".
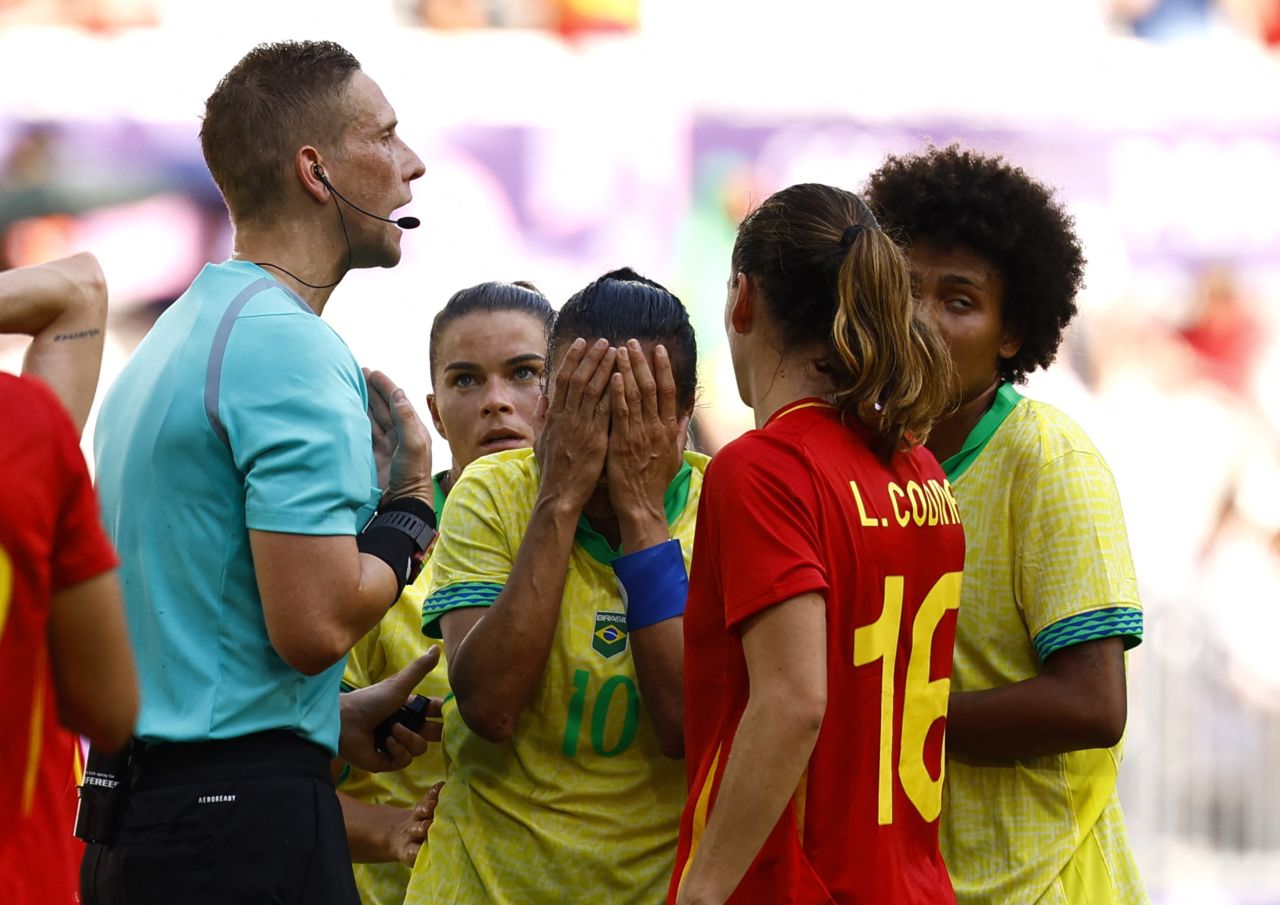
{"x": 245, "y": 820}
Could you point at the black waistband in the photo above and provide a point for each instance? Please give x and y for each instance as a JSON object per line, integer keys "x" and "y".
{"x": 276, "y": 752}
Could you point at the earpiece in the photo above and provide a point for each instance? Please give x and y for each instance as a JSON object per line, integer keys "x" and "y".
{"x": 402, "y": 222}
{"x": 318, "y": 172}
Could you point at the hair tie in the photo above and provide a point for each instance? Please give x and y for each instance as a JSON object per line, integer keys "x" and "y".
{"x": 850, "y": 233}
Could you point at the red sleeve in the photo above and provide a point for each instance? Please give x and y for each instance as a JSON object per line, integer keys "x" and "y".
{"x": 764, "y": 504}
{"x": 80, "y": 550}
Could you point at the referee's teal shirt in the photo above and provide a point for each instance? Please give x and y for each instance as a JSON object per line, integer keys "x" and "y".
{"x": 240, "y": 409}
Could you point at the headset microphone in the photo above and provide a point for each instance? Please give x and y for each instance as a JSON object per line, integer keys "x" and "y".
{"x": 402, "y": 222}
{"x": 318, "y": 172}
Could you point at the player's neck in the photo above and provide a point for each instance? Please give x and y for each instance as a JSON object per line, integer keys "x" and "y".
{"x": 949, "y": 433}
{"x": 794, "y": 377}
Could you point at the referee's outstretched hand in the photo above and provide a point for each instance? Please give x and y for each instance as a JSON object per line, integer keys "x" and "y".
{"x": 363, "y": 709}
{"x": 401, "y": 445}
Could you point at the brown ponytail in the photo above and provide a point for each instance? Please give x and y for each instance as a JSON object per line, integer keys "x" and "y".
{"x": 829, "y": 276}
{"x": 894, "y": 369}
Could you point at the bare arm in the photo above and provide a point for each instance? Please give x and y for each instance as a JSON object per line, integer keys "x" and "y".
{"x": 1078, "y": 702}
{"x": 646, "y": 449}
{"x": 786, "y": 653}
{"x": 381, "y": 833}
{"x": 320, "y": 595}
{"x": 63, "y": 306}
{"x": 92, "y": 661}
{"x": 497, "y": 655}
{"x": 658, "y": 652}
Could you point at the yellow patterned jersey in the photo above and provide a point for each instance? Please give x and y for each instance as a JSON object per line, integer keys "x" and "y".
{"x": 1047, "y": 565}
{"x": 579, "y": 804}
{"x": 393, "y": 644}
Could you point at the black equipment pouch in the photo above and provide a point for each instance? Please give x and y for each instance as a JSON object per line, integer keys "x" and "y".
{"x": 103, "y": 794}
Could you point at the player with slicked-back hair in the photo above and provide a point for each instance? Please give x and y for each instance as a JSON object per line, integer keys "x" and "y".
{"x": 558, "y": 585}
{"x": 519, "y": 297}
{"x": 623, "y": 304}
{"x": 486, "y": 351}
{"x": 1050, "y": 601}
{"x": 820, "y": 622}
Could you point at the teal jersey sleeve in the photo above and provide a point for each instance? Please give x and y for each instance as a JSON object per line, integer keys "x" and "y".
{"x": 294, "y": 402}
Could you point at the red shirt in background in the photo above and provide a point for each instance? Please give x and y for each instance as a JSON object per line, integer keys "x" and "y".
{"x": 50, "y": 539}
{"x": 803, "y": 505}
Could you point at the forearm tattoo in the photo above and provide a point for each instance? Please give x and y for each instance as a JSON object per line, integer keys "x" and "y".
{"x": 82, "y": 334}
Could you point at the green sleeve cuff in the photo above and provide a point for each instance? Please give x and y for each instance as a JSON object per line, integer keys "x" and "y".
{"x": 1124, "y": 622}
{"x": 456, "y": 597}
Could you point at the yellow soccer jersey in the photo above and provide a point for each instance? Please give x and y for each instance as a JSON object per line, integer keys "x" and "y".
{"x": 1046, "y": 565}
{"x": 579, "y": 805}
{"x": 393, "y": 644}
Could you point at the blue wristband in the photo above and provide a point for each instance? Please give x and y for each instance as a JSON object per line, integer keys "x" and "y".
{"x": 653, "y": 584}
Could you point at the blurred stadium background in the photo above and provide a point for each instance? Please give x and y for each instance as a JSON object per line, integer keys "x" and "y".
{"x": 565, "y": 137}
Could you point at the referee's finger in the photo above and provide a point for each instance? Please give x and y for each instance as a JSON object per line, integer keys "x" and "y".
{"x": 379, "y": 410}
{"x": 411, "y": 433}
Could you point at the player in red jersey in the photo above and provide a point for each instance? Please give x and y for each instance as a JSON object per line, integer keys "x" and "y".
{"x": 65, "y": 659}
{"x": 821, "y": 611}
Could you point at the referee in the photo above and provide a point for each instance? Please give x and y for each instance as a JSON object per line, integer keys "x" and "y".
{"x": 239, "y": 484}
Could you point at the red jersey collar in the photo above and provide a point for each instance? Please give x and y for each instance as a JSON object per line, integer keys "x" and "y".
{"x": 797, "y": 405}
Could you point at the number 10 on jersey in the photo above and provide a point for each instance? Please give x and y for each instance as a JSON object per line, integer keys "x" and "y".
{"x": 924, "y": 701}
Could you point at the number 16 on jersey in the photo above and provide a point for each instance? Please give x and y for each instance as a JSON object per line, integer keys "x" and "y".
{"x": 924, "y": 701}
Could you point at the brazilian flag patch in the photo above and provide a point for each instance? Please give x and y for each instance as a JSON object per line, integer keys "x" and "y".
{"x": 610, "y": 637}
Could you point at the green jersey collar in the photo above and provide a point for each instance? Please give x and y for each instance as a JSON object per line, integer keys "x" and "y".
{"x": 1005, "y": 401}
{"x": 673, "y": 501}
{"x": 437, "y": 498}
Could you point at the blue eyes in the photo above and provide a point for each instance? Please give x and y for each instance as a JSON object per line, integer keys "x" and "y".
{"x": 522, "y": 374}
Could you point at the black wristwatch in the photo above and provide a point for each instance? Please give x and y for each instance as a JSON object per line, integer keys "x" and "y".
{"x": 404, "y": 518}
{"x": 419, "y": 529}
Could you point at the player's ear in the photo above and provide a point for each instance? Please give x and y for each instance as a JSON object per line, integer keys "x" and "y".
{"x": 742, "y": 302}
{"x": 1010, "y": 343}
{"x": 435, "y": 416}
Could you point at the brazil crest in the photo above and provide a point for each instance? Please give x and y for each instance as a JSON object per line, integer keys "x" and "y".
{"x": 610, "y": 636}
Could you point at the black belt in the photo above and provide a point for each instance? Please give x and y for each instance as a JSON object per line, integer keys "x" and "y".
{"x": 276, "y": 752}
